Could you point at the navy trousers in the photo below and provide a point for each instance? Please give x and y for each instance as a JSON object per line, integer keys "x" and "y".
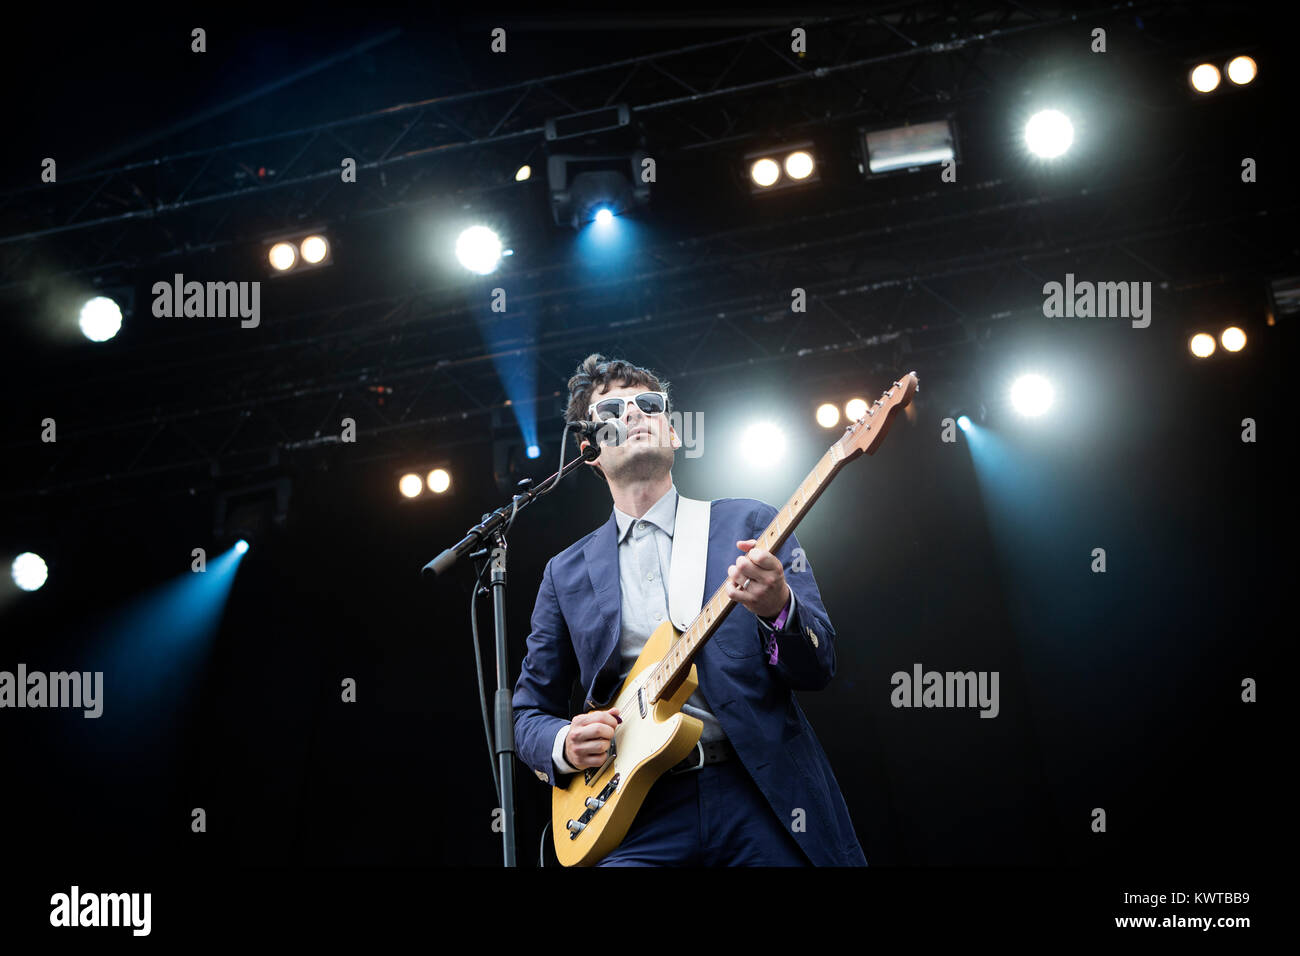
{"x": 714, "y": 816}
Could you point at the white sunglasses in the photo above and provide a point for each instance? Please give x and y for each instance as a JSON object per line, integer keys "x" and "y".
{"x": 651, "y": 403}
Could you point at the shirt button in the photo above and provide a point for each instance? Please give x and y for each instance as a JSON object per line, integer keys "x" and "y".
{"x": 641, "y": 525}
{"x": 658, "y": 616}
{"x": 650, "y": 576}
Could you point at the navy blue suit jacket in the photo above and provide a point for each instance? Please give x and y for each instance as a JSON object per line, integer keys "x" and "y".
{"x": 575, "y": 636}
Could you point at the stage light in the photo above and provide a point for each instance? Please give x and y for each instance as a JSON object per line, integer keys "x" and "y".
{"x": 855, "y": 408}
{"x": 534, "y": 451}
{"x": 909, "y": 147}
{"x": 101, "y": 318}
{"x": 29, "y": 571}
{"x": 1204, "y": 78}
{"x": 1241, "y": 70}
{"x": 439, "y": 481}
{"x": 1233, "y": 339}
{"x": 604, "y": 216}
{"x": 799, "y": 164}
{"x": 964, "y": 422}
{"x": 764, "y": 172}
{"x": 582, "y": 185}
{"x": 762, "y": 443}
{"x": 523, "y": 172}
{"x": 1049, "y": 134}
{"x": 479, "y": 249}
{"x": 241, "y": 546}
{"x": 410, "y": 485}
{"x": 781, "y": 167}
{"x": 828, "y": 415}
{"x": 1202, "y": 345}
{"x": 283, "y": 256}
{"x": 314, "y": 249}
{"x": 1031, "y": 395}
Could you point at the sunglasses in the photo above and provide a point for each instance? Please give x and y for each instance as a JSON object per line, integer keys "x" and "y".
{"x": 607, "y": 409}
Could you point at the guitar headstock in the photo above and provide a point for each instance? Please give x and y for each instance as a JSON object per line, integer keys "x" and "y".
{"x": 866, "y": 434}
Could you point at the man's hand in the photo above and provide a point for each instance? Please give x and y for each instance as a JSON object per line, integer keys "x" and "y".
{"x": 589, "y": 738}
{"x": 767, "y": 593}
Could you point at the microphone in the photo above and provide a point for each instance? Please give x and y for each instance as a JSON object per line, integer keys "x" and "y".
{"x": 612, "y": 432}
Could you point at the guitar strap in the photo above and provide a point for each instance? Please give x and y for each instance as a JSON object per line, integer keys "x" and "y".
{"x": 689, "y": 559}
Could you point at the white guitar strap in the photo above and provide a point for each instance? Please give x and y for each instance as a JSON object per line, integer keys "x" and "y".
{"x": 689, "y": 559}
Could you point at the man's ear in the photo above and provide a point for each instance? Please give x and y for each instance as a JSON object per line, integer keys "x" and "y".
{"x": 674, "y": 438}
{"x": 582, "y": 446}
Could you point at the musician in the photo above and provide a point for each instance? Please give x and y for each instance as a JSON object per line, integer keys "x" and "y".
{"x": 759, "y": 790}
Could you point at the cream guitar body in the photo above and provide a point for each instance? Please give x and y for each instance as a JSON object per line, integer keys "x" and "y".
{"x": 602, "y": 801}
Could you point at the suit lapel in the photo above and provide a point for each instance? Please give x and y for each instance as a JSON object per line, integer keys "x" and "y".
{"x": 601, "y": 553}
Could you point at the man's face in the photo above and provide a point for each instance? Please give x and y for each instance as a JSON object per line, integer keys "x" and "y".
{"x": 651, "y": 441}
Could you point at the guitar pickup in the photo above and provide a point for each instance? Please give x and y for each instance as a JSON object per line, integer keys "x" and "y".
{"x": 592, "y": 773}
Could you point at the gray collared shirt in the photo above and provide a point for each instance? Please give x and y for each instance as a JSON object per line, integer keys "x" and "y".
{"x": 645, "y": 548}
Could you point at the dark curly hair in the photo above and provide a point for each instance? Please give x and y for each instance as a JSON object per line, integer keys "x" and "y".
{"x": 595, "y": 373}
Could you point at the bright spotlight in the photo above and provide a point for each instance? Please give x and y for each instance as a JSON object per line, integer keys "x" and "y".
{"x": 410, "y": 485}
{"x": 439, "y": 481}
{"x": 1048, "y": 134}
{"x": 762, "y": 443}
{"x": 100, "y": 319}
{"x": 533, "y": 451}
{"x": 1233, "y": 339}
{"x": 828, "y": 415}
{"x": 1031, "y": 395}
{"x": 764, "y": 172}
{"x": 479, "y": 249}
{"x": 604, "y": 216}
{"x": 29, "y": 571}
{"x": 1241, "y": 70}
{"x": 855, "y": 408}
{"x": 1202, "y": 344}
{"x": 523, "y": 172}
{"x": 799, "y": 165}
{"x": 241, "y": 546}
{"x": 314, "y": 249}
{"x": 1204, "y": 78}
{"x": 963, "y": 422}
{"x": 282, "y": 255}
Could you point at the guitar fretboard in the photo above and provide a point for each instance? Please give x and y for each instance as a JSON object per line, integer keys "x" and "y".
{"x": 669, "y": 671}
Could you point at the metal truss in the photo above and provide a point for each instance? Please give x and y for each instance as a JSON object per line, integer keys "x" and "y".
{"x": 411, "y": 379}
{"x": 871, "y": 66}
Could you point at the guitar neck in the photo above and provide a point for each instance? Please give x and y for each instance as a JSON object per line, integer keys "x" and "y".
{"x": 669, "y": 671}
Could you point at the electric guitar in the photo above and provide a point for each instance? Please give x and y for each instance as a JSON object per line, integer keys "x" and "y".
{"x": 593, "y": 813}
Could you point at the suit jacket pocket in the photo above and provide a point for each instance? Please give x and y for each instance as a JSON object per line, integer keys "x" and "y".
{"x": 739, "y": 638}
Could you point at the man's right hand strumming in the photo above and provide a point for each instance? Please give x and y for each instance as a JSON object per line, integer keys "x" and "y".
{"x": 588, "y": 742}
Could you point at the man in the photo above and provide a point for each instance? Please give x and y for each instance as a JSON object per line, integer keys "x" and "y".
{"x": 759, "y": 790}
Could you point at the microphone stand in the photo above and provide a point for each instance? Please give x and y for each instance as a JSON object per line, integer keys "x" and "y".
{"x": 495, "y": 526}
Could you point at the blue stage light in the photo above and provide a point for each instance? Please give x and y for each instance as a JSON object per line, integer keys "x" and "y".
{"x": 534, "y": 451}
{"x": 241, "y": 546}
{"x": 603, "y": 216}
{"x": 963, "y": 422}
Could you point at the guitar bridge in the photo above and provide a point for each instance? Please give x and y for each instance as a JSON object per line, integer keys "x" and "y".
{"x": 593, "y": 807}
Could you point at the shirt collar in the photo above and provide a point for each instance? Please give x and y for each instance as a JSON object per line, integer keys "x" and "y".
{"x": 662, "y": 514}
